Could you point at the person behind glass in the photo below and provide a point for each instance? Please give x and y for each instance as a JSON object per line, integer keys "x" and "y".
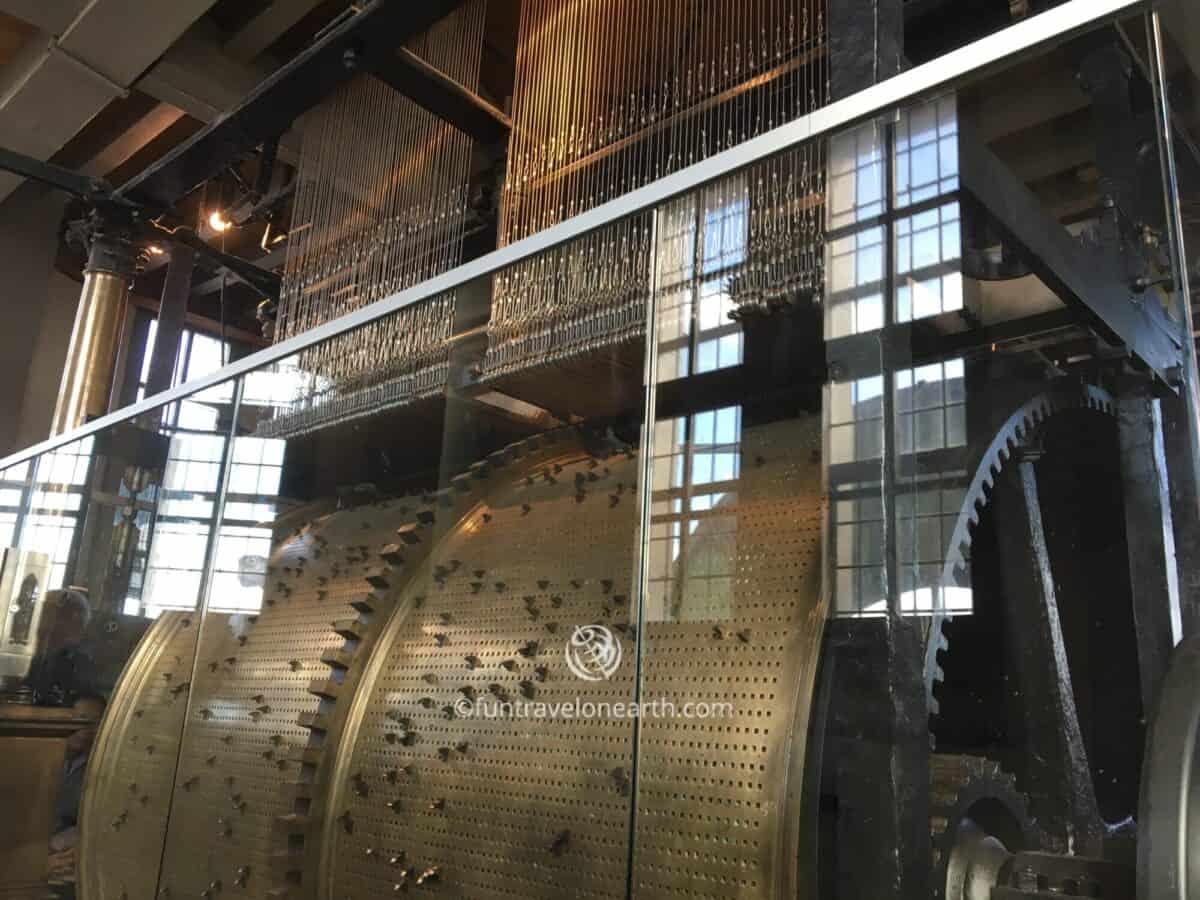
{"x": 65, "y": 836}
{"x": 61, "y": 668}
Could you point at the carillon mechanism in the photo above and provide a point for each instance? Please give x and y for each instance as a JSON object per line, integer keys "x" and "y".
{"x": 784, "y": 235}
{"x": 748, "y": 547}
{"x": 374, "y": 215}
{"x": 387, "y": 364}
{"x": 361, "y": 730}
{"x": 382, "y": 204}
{"x": 588, "y": 295}
{"x": 685, "y": 81}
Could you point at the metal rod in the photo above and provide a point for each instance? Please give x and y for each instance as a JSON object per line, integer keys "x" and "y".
{"x": 645, "y": 507}
{"x": 1036, "y": 33}
{"x": 887, "y": 366}
{"x": 1166, "y": 154}
{"x": 1182, "y": 136}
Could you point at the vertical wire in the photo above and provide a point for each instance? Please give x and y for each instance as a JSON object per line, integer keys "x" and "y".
{"x": 381, "y": 202}
{"x": 664, "y": 60}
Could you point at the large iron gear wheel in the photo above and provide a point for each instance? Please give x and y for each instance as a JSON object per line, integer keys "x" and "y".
{"x": 1016, "y": 430}
{"x": 977, "y": 820}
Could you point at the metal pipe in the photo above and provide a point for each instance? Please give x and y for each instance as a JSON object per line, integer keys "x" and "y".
{"x": 645, "y": 510}
{"x": 1189, "y": 378}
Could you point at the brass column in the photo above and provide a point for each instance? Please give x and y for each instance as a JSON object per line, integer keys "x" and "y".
{"x": 87, "y": 380}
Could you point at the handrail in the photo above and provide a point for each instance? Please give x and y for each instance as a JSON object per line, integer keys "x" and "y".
{"x": 1038, "y": 32}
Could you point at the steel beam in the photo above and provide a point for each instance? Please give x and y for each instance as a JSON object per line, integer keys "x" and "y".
{"x": 268, "y": 263}
{"x": 1084, "y": 277}
{"x": 96, "y": 192}
{"x": 941, "y": 337}
{"x": 362, "y": 43}
{"x": 444, "y": 97}
{"x": 268, "y": 27}
{"x": 57, "y": 177}
{"x": 268, "y": 284}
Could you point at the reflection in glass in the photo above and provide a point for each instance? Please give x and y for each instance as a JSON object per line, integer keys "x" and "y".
{"x": 928, "y": 275}
{"x": 56, "y": 497}
{"x": 919, "y": 154}
{"x": 894, "y": 256}
{"x": 926, "y": 152}
{"x": 109, "y": 539}
{"x": 693, "y": 533}
{"x": 700, "y": 261}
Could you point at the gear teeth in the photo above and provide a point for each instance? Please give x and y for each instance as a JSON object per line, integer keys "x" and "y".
{"x": 956, "y": 784}
{"x": 379, "y": 584}
{"x": 1019, "y": 428}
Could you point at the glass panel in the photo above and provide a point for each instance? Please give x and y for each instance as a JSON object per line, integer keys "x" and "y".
{"x": 107, "y": 540}
{"x": 448, "y": 544}
{"x": 852, "y": 615}
{"x": 372, "y": 505}
{"x": 1003, "y": 494}
{"x": 698, "y": 291}
{"x": 14, "y": 482}
{"x": 299, "y": 569}
{"x": 527, "y": 624}
{"x": 968, "y": 653}
{"x": 733, "y": 614}
{"x": 199, "y": 355}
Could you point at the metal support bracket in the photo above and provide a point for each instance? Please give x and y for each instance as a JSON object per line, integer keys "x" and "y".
{"x": 1084, "y": 277}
